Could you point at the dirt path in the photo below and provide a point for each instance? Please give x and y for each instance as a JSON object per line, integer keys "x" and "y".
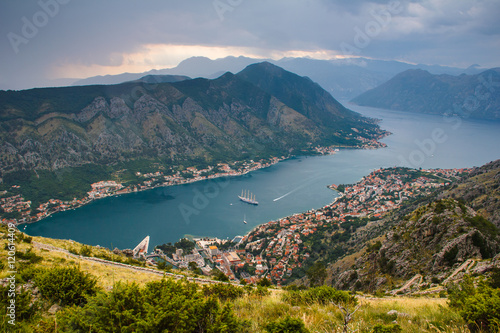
{"x": 131, "y": 267}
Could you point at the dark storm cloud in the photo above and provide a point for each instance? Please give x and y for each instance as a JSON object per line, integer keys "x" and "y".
{"x": 102, "y": 33}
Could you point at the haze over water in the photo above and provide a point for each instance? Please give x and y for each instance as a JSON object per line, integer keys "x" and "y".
{"x": 212, "y": 208}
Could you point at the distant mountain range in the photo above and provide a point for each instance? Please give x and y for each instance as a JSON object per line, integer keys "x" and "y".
{"x": 474, "y": 96}
{"x": 262, "y": 111}
{"x": 343, "y": 78}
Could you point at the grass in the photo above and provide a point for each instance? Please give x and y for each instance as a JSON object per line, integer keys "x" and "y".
{"x": 105, "y": 274}
{"x": 417, "y": 314}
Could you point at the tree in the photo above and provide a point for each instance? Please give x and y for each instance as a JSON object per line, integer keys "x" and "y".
{"x": 219, "y": 276}
{"x": 317, "y": 273}
{"x": 264, "y": 282}
{"x": 161, "y": 265}
{"x": 193, "y": 266}
{"x": 66, "y": 285}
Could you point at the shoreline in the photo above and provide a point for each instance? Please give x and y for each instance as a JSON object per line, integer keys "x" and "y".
{"x": 254, "y": 166}
{"x": 87, "y": 200}
{"x": 341, "y": 195}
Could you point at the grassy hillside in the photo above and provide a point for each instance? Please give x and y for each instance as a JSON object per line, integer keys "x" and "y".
{"x": 246, "y": 310}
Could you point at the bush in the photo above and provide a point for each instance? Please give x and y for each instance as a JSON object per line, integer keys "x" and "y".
{"x": 482, "y": 310}
{"x": 316, "y": 273}
{"x": 25, "y": 306}
{"x": 65, "y": 286}
{"x": 391, "y": 328}
{"x": 27, "y": 239}
{"x": 223, "y": 292}
{"x": 286, "y": 325}
{"x": 479, "y": 306}
{"x": 86, "y": 251}
{"x": 30, "y": 256}
{"x": 261, "y": 291}
{"x": 163, "y": 306}
{"x": 219, "y": 276}
{"x": 264, "y": 282}
{"x": 494, "y": 280}
{"x": 435, "y": 279}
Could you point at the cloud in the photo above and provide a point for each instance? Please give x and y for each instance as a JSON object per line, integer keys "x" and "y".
{"x": 95, "y": 37}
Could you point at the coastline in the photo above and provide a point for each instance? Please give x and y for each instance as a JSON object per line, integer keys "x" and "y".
{"x": 87, "y": 200}
{"x": 104, "y": 189}
{"x": 341, "y": 195}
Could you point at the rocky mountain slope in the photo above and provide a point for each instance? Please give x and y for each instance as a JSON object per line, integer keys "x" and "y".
{"x": 480, "y": 191}
{"x": 188, "y": 121}
{"x": 450, "y": 231}
{"x": 474, "y": 96}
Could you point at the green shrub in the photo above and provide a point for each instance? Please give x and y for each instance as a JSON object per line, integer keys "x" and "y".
{"x": 25, "y": 306}
{"x": 65, "y": 286}
{"x": 316, "y": 273}
{"x": 86, "y": 251}
{"x": 264, "y": 282}
{"x": 479, "y": 306}
{"x": 435, "y": 279}
{"x": 27, "y": 239}
{"x": 483, "y": 225}
{"x": 390, "y": 328}
{"x": 223, "y": 292}
{"x": 286, "y": 325}
{"x": 494, "y": 280}
{"x": 450, "y": 255}
{"x": 219, "y": 276}
{"x": 261, "y": 291}
{"x": 162, "y": 306}
{"x": 30, "y": 256}
{"x": 482, "y": 310}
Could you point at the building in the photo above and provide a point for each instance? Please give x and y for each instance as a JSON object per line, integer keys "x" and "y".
{"x": 213, "y": 250}
{"x": 231, "y": 258}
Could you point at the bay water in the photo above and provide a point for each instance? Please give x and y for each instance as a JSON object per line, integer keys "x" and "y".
{"x": 212, "y": 207}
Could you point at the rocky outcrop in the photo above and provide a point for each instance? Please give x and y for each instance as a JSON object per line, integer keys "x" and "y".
{"x": 432, "y": 242}
{"x": 440, "y": 238}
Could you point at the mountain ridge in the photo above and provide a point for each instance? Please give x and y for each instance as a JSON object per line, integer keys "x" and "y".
{"x": 183, "y": 123}
{"x": 343, "y": 78}
{"x": 422, "y": 92}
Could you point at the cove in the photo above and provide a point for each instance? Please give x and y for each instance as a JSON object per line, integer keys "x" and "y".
{"x": 212, "y": 207}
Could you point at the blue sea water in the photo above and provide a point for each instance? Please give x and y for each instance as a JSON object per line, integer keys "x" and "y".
{"x": 212, "y": 208}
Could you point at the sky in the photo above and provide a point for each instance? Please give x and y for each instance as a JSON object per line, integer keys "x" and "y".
{"x": 42, "y": 41}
